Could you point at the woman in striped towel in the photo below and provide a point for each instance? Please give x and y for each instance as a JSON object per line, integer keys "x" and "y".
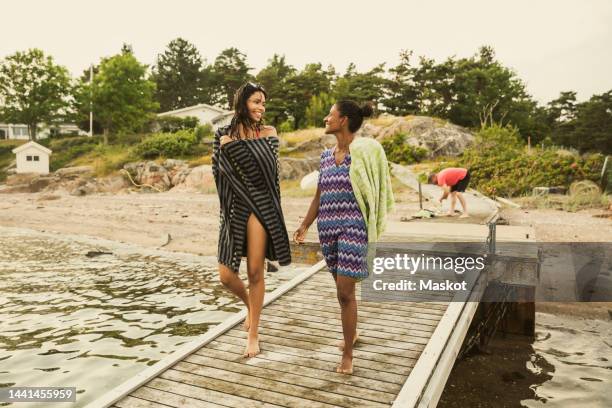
{"x": 351, "y": 204}
{"x": 245, "y": 168}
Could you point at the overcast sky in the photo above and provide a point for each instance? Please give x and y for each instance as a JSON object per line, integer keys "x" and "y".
{"x": 553, "y": 45}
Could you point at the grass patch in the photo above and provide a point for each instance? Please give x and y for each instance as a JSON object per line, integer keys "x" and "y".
{"x": 295, "y": 154}
{"x": 7, "y": 156}
{"x": 382, "y": 120}
{"x": 567, "y": 203}
{"x": 105, "y": 160}
{"x": 300, "y": 136}
{"x": 199, "y": 161}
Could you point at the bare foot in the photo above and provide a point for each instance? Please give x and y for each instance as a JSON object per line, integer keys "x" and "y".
{"x": 247, "y": 321}
{"x": 355, "y": 338}
{"x": 345, "y": 366}
{"x": 252, "y": 347}
{"x": 464, "y": 215}
{"x": 450, "y": 214}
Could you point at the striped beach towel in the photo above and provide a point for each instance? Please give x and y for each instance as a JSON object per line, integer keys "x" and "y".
{"x": 247, "y": 177}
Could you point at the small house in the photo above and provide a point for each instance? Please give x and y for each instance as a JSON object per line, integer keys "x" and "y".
{"x": 32, "y": 158}
{"x": 214, "y": 115}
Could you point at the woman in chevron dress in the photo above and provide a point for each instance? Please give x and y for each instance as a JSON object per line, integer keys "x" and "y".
{"x": 343, "y": 231}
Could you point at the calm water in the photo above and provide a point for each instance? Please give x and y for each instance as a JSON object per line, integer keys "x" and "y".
{"x": 67, "y": 319}
{"x": 576, "y": 354}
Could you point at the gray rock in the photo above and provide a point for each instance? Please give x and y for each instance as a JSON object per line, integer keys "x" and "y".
{"x": 439, "y": 137}
{"x": 40, "y": 183}
{"x": 73, "y": 172}
{"x": 197, "y": 179}
{"x": 172, "y": 163}
{"x": 295, "y": 169}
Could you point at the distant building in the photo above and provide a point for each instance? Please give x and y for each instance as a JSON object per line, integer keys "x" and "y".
{"x": 32, "y": 158}
{"x": 20, "y": 131}
{"x": 214, "y": 115}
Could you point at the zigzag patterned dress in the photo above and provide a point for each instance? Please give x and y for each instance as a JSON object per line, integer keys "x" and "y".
{"x": 342, "y": 229}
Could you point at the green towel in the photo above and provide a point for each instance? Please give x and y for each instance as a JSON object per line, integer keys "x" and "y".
{"x": 371, "y": 181}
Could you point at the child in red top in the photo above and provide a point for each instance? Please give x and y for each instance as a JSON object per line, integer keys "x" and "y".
{"x": 454, "y": 181}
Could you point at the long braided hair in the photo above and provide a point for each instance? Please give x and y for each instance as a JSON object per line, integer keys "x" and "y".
{"x": 241, "y": 110}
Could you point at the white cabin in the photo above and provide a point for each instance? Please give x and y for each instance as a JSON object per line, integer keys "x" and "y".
{"x": 32, "y": 158}
{"x": 214, "y": 115}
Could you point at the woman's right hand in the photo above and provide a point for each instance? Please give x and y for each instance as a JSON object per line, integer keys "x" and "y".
{"x": 300, "y": 234}
{"x": 225, "y": 139}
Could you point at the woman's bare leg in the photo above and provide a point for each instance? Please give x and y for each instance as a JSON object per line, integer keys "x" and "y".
{"x": 231, "y": 280}
{"x": 256, "y": 251}
{"x": 345, "y": 288}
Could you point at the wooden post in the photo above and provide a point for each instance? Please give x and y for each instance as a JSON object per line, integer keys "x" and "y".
{"x": 420, "y": 197}
{"x": 529, "y": 143}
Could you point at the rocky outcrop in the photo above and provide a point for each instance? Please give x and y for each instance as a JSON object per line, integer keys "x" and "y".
{"x": 175, "y": 175}
{"x": 73, "y": 180}
{"x": 295, "y": 169}
{"x": 439, "y": 137}
{"x": 196, "y": 179}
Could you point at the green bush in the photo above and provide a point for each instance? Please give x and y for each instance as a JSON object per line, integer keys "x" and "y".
{"x": 203, "y": 132}
{"x": 181, "y": 143}
{"x": 60, "y": 145}
{"x": 398, "y": 151}
{"x": 286, "y": 126}
{"x": 127, "y": 139}
{"x": 500, "y": 165}
{"x": 7, "y": 146}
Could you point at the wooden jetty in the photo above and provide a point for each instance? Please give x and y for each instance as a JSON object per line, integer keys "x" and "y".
{"x": 403, "y": 358}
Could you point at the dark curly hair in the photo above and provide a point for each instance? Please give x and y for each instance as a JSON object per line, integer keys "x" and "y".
{"x": 354, "y": 113}
{"x": 241, "y": 111}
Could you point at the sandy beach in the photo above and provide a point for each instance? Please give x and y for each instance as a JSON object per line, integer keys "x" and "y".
{"x": 191, "y": 219}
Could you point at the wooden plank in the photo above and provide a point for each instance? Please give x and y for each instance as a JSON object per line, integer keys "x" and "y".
{"x": 368, "y": 332}
{"x": 275, "y": 384}
{"x": 295, "y": 366}
{"x": 131, "y": 384}
{"x": 416, "y": 330}
{"x": 370, "y": 347}
{"x": 212, "y": 397}
{"x": 302, "y": 359}
{"x": 331, "y": 306}
{"x": 335, "y": 337}
{"x": 132, "y": 402}
{"x": 323, "y": 356}
{"x": 171, "y": 398}
{"x": 401, "y": 305}
{"x": 248, "y": 392}
{"x": 367, "y": 318}
{"x": 318, "y": 385}
{"x": 416, "y": 383}
{"x": 316, "y": 348}
{"x": 408, "y": 309}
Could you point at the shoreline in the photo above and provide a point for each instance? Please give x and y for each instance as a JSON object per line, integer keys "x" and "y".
{"x": 188, "y": 223}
